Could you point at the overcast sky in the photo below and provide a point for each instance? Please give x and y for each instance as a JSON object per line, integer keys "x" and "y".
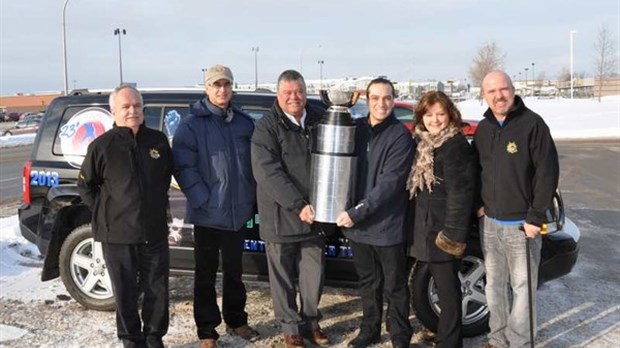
{"x": 169, "y": 42}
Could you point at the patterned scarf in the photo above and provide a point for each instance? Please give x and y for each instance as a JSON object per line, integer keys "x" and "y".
{"x": 422, "y": 169}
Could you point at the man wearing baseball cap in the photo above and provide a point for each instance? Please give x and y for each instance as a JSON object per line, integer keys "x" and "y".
{"x": 211, "y": 149}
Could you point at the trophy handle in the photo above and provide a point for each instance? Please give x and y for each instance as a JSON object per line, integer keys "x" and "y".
{"x": 325, "y": 97}
{"x": 354, "y": 98}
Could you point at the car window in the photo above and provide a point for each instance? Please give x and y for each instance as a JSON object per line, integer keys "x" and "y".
{"x": 255, "y": 112}
{"x": 152, "y": 116}
{"x": 403, "y": 114}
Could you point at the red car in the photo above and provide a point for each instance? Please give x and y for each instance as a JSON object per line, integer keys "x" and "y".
{"x": 404, "y": 112}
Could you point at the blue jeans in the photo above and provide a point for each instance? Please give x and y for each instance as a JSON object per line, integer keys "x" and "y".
{"x": 504, "y": 250}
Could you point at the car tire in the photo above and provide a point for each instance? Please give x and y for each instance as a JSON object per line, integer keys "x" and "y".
{"x": 83, "y": 270}
{"x": 425, "y": 302}
{"x": 7, "y": 133}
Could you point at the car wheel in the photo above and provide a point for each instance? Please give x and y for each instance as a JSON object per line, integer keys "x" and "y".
{"x": 83, "y": 270}
{"x": 425, "y": 302}
{"x": 7, "y": 133}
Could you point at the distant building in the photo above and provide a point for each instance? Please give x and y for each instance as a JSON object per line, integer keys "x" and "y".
{"x": 27, "y": 102}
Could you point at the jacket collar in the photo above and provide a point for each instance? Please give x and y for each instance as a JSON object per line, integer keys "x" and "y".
{"x": 517, "y": 109}
{"x": 312, "y": 117}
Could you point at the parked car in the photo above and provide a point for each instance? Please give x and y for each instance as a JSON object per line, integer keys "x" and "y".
{"x": 404, "y": 112}
{"x": 11, "y": 117}
{"x": 53, "y": 216}
{"x": 25, "y": 126}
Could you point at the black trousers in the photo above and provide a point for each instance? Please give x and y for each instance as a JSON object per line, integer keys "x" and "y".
{"x": 449, "y": 329}
{"x": 209, "y": 242}
{"x": 136, "y": 268}
{"x": 382, "y": 270}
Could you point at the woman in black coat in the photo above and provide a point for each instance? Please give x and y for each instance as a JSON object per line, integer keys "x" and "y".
{"x": 442, "y": 181}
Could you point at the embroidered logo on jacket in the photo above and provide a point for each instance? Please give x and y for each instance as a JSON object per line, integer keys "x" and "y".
{"x": 154, "y": 153}
{"x": 511, "y": 147}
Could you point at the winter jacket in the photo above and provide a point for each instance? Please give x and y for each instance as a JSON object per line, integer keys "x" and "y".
{"x": 519, "y": 168}
{"x": 385, "y": 153}
{"x": 212, "y": 166}
{"x": 281, "y": 165}
{"x": 124, "y": 180}
{"x": 449, "y": 206}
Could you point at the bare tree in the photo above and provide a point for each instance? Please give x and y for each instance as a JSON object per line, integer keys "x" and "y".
{"x": 489, "y": 57}
{"x": 605, "y": 60}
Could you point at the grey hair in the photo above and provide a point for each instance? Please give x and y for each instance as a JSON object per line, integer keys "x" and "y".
{"x": 120, "y": 88}
{"x": 291, "y": 75}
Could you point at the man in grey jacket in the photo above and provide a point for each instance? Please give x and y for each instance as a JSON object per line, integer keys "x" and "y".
{"x": 281, "y": 146}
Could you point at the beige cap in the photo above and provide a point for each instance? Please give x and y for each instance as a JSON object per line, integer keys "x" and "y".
{"x": 218, "y": 72}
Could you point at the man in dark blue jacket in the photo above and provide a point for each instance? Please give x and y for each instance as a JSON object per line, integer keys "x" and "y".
{"x": 375, "y": 225}
{"x": 212, "y": 166}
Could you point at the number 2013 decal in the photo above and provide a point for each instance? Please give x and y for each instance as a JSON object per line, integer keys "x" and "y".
{"x": 41, "y": 178}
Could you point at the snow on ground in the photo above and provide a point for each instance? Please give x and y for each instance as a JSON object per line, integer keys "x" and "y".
{"x": 16, "y": 140}
{"x": 566, "y": 118}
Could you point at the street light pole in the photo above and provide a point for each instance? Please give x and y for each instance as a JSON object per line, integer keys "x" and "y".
{"x": 64, "y": 47}
{"x": 572, "y": 32}
{"x": 321, "y": 71}
{"x": 526, "y": 69}
{"x": 120, "y": 32}
{"x": 533, "y": 80}
{"x": 255, "y": 50}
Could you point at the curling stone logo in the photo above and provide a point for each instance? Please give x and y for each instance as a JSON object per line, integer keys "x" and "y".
{"x": 81, "y": 130}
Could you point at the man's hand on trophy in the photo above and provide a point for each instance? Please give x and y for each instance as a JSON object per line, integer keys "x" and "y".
{"x": 344, "y": 220}
{"x": 307, "y": 214}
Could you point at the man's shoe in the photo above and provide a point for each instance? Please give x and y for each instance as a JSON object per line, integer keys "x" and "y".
{"x": 294, "y": 341}
{"x": 317, "y": 337}
{"x": 363, "y": 341}
{"x": 244, "y": 331}
{"x": 208, "y": 343}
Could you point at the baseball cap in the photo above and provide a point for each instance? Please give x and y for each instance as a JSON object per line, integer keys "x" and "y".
{"x": 218, "y": 72}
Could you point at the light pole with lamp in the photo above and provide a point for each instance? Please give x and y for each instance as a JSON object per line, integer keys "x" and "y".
{"x": 120, "y": 32}
{"x": 321, "y": 62}
{"x": 572, "y": 32}
{"x": 255, "y": 50}
{"x": 64, "y": 46}
{"x": 526, "y": 69}
{"x": 533, "y": 75}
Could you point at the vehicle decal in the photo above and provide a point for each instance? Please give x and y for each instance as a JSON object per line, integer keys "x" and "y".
{"x": 42, "y": 178}
{"x": 81, "y": 130}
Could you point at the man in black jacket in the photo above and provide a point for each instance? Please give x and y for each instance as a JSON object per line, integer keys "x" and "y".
{"x": 281, "y": 164}
{"x": 375, "y": 225}
{"x": 519, "y": 175}
{"x": 124, "y": 180}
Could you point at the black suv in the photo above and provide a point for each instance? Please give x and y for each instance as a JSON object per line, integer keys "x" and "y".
{"x": 54, "y": 218}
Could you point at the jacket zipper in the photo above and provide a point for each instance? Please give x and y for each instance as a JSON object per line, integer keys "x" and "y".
{"x": 138, "y": 169}
{"x": 495, "y": 150}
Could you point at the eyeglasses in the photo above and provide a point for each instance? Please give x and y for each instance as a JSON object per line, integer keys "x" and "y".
{"x": 218, "y": 85}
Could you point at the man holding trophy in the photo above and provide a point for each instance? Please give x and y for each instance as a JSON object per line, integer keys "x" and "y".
{"x": 374, "y": 224}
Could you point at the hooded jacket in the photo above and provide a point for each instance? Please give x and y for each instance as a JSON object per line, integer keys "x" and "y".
{"x": 281, "y": 152}
{"x": 124, "y": 180}
{"x": 385, "y": 153}
{"x": 519, "y": 167}
{"x": 212, "y": 166}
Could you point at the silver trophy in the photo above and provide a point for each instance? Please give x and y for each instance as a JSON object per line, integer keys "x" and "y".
{"x": 333, "y": 157}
